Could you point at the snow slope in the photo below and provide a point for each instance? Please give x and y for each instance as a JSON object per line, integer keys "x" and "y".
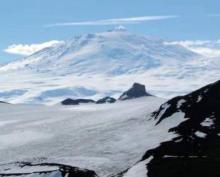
{"x": 113, "y": 52}
{"x": 105, "y": 64}
{"x": 195, "y": 151}
{"x": 106, "y": 138}
{"x": 181, "y": 137}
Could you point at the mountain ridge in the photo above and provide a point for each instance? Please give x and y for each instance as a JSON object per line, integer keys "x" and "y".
{"x": 195, "y": 149}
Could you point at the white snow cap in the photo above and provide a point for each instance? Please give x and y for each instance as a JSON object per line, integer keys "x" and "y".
{"x": 120, "y": 28}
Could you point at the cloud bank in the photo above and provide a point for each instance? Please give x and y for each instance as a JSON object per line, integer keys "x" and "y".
{"x": 115, "y": 21}
{"x": 26, "y": 49}
{"x": 206, "y": 48}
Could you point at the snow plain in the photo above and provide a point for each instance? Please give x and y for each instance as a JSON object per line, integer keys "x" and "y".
{"x": 106, "y": 138}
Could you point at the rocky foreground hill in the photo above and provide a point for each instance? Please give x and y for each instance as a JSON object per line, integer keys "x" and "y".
{"x": 195, "y": 151}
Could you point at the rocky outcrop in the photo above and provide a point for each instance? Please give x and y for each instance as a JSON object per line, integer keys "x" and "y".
{"x": 136, "y": 91}
{"x": 70, "y": 101}
{"x": 106, "y": 100}
{"x": 27, "y": 169}
{"x": 3, "y": 102}
{"x": 195, "y": 151}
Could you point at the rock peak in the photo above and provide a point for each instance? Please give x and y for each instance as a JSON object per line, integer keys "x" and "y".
{"x": 137, "y": 90}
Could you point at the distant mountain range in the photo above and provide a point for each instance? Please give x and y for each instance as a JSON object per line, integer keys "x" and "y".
{"x": 105, "y": 64}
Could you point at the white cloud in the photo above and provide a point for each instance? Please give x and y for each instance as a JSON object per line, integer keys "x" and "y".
{"x": 26, "y": 49}
{"x": 115, "y": 21}
{"x": 203, "y": 47}
{"x": 208, "y": 52}
{"x": 189, "y": 42}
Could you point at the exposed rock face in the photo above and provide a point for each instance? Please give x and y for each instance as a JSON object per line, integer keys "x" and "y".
{"x": 196, "y": 149}
{"x": 136, "y": 91}
{"x": 26, "y": 169}
{"x": 106, "y": 100}
{"x": 70, "y": 101}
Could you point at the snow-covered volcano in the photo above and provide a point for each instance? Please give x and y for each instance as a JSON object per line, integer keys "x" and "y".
{"x": 104, "y": 64}
{"x": 113, "y": 52}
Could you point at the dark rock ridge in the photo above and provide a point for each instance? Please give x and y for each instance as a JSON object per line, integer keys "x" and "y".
{"x": 24, "y": 169}
{"x": 195, "y": 152}
{"x": 136, "y": 91}
{"x": 70, "y": 101}
{"x": 106, "y": 100}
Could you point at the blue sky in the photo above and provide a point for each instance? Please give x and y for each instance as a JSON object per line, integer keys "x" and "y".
{"x": 26, "y": 21}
